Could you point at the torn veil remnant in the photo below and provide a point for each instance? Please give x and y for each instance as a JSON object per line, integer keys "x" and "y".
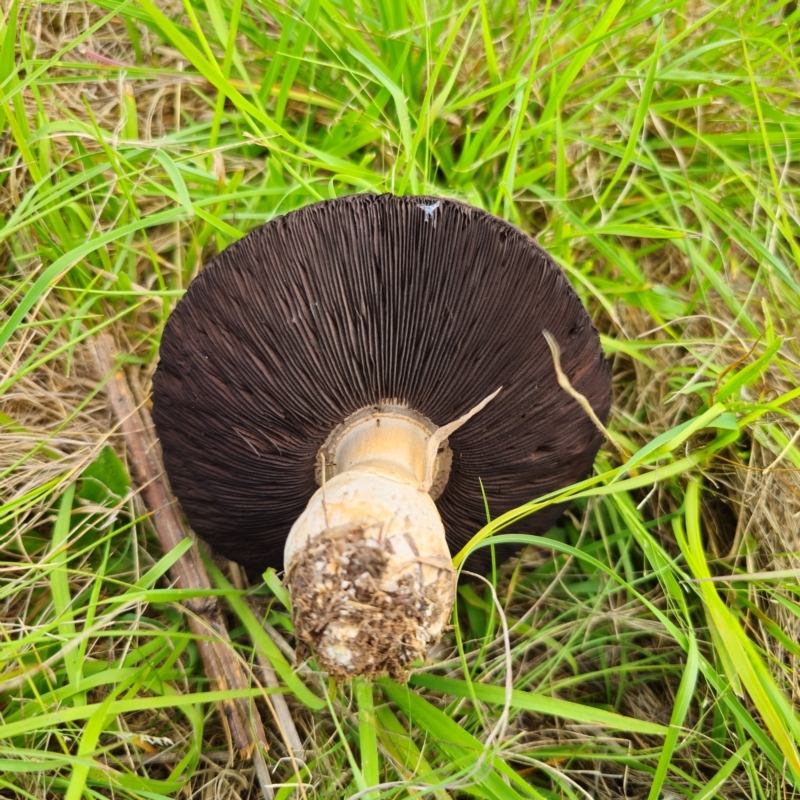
{"x": 305, "y": 390}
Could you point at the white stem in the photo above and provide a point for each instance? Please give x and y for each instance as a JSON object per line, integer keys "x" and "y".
{"x": 367, "y": 562}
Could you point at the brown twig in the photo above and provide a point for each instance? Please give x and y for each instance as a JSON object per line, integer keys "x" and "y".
{"x": 205, "y": 620}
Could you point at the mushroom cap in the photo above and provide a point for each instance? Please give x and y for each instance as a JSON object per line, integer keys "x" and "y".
{"x": 363, "y": 300}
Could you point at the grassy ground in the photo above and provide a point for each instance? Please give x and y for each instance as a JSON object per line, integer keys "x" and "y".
{"x": 652, "y": 148}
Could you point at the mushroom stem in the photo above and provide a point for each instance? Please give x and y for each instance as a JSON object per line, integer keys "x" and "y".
{"x": 367, "y": 562}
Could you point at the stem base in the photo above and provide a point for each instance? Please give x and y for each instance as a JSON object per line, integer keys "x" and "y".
{"x": 358, "y": 620}
{"x": 370, "y": 576}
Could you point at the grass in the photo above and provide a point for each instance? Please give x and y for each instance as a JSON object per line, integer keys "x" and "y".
{"x": 652, "y": 148}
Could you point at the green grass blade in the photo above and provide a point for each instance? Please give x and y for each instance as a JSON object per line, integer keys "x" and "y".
{"x": 551, "y": 706}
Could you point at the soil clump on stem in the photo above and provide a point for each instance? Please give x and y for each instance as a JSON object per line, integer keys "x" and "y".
{"x": 361, "y": 616}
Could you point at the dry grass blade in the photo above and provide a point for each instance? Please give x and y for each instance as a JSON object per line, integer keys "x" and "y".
{"x": 205, "y": 620}
{"x": 564, "y": 383}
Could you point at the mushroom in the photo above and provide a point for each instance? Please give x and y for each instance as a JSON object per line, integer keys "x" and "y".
{"x": 327, "y": 402}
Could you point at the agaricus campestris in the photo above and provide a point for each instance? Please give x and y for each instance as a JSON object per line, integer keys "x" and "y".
{"x": 307, "y": 382}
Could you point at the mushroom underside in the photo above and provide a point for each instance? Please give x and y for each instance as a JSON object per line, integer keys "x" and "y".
{"x": 356, "y": 303}
{"x": 357, "y": 312}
